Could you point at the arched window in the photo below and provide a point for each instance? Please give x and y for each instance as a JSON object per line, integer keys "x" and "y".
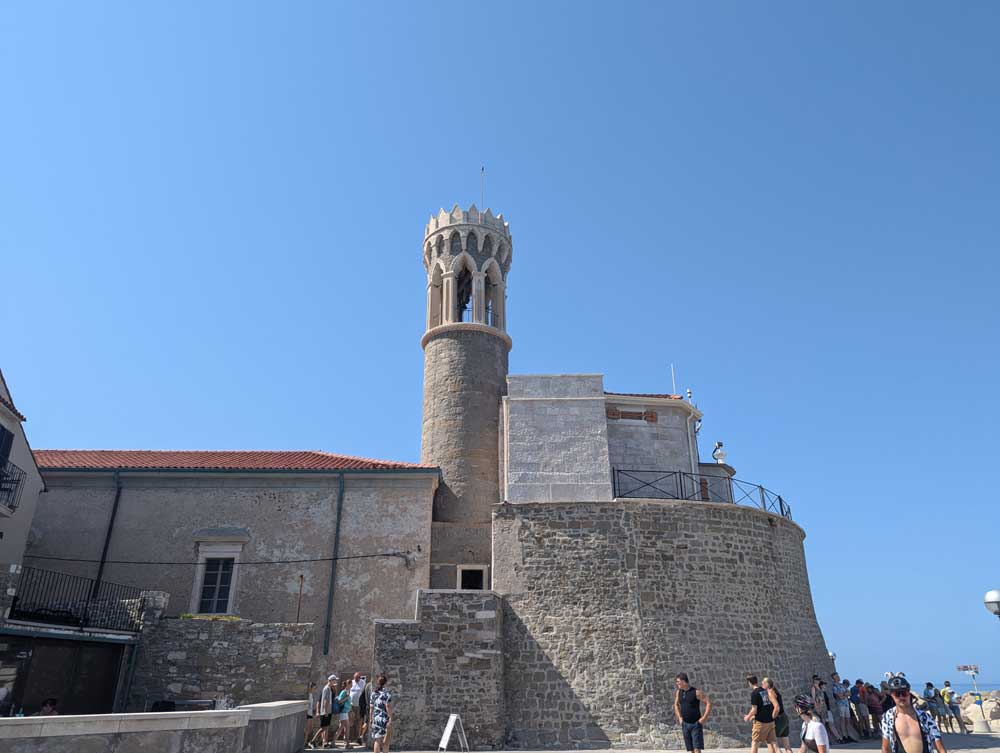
{"x": 472, "y": 245}
{"x": 463, "y": 293}
{"x": 493, "y": 303}
{"x": 456, "y": 244}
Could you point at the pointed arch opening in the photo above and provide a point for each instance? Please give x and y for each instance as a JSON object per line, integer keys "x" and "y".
{"x": 464, "y": 279}
{"x": 493, "y": 298}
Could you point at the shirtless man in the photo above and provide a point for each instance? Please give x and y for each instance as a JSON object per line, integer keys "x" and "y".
{"x": 906, "y": 729}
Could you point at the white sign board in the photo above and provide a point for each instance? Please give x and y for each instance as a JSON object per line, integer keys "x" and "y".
{"x": 454, "y": 720}
{"x": 972, "y": 669}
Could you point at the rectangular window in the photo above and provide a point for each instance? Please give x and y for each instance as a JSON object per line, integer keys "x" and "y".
{"x": 471, "y": 577}
{"x": 215, "y": 586}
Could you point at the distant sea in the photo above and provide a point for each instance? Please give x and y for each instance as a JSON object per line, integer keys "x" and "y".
{"x": 965, "y": 687}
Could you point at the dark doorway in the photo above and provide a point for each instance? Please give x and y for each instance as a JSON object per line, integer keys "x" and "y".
{"x": 83, "y": 676}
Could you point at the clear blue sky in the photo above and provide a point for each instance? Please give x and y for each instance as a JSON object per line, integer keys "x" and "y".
{"x": 211, "y": 214}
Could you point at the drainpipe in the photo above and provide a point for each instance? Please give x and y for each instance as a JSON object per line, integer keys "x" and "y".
{"x": 107, "y": 537}
{"x": 333, "y": 567}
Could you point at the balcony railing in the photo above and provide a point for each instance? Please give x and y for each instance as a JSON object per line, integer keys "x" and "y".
{"x": 61, "y": 599}
{"x": 11, "y": 484}
{"x": 697, "y": 487}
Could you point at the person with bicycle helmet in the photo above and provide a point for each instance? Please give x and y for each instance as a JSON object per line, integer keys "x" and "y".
{"x": 905, "y": 728}
{"x": 814, "y": 737}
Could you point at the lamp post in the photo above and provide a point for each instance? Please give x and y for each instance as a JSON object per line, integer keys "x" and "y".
{"x": 992, "y": 602}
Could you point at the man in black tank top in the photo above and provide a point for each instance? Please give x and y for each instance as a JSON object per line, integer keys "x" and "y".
{"x": 687, "y": 707}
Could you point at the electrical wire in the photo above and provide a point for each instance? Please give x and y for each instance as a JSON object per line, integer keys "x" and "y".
{"x": 401, "y": 555}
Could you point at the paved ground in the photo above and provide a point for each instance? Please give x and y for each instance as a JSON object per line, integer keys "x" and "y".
{"x": 978, "y": 742}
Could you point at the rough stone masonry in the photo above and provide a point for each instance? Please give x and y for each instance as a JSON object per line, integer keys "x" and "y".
{"x": 231, "y": 662}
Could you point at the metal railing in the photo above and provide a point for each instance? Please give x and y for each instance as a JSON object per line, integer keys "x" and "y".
{"x": 61, "y": 599}
{"x": 11, "y": 484}
{"x": 640, "y": 484}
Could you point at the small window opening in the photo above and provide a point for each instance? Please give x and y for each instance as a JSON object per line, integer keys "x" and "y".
{"x": 472, "y": 579}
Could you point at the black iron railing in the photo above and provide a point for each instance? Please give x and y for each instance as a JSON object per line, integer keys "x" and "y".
{"x": 699, "y": 487}
{"x": 11, "y": 483}
{"x": 61, "y": 599}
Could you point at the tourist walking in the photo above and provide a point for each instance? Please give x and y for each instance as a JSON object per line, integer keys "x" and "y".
{"x": 326, "y": 703}
{"x": 906, "y": 729}
{"x": 355, "y": 718}
{"x": 761, "y": 713}
{"x": 687, "y": 707}
{"x": 310, "y": 713}
{"x": 343, "y": 728}
{"x": 813, "y": 736}
{"x": 381, "y": 703}
{"x": 780, "y": 717}
{"x": 951, "y": 699}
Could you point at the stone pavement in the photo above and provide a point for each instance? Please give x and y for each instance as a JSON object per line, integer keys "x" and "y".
{"x": 987, "y": 743}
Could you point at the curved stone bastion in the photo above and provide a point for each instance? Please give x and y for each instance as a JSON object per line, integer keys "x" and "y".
{"x": 605, "y": 602}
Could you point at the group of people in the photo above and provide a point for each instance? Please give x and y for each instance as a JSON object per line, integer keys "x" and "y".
{"x": 840, "y": 712}
{"x": 859, "y": 708}
{"x": 357, "y": 709}
{"x": 904, "y": 727}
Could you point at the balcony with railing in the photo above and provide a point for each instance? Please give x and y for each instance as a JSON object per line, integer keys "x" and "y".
{"x": 699, "y": 487}
{"x": 11, "y": 484}
{"x": 52, "y": 598}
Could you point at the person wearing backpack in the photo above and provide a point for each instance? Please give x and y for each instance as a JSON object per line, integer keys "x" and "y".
{"x": 342, "y": 710}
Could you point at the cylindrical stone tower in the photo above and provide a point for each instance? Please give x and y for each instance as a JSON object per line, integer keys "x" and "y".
{"x": 467, "y": 255}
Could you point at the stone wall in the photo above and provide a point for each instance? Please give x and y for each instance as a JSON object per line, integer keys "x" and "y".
{"x": 290, "y": 517}
{"x": 233, "y": 662}
{"x": 607, "y": 602}
{"x": 448, "y": 660}
{"x": 555, "y": 439}
{"x": 174, "y": 732}
{"x": 465, "y": 367}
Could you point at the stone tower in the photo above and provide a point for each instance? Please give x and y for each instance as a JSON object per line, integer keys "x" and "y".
{"x": 467, "y": 255}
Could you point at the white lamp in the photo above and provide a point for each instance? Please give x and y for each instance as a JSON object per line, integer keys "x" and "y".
{"x": 992, "y": 601}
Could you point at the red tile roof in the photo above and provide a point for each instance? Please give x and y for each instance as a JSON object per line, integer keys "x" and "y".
{"x": 10, "y": 406}
{"x": 212, "y": 460}
{"x": 645, "y": 394}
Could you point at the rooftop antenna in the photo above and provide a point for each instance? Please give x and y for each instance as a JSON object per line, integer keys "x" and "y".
{"x": 673, "y": 381}
{"x": 482, "y": 188}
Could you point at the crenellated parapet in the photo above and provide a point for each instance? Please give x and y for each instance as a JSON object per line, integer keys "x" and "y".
{"x": 481, "y": 238}
{"x": 467, "y": 255}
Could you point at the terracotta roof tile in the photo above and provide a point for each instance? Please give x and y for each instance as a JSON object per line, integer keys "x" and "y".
{"x": 212, "y": 460}
{"x": 645, "y": 394}
{"x": 10, "y": 406}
